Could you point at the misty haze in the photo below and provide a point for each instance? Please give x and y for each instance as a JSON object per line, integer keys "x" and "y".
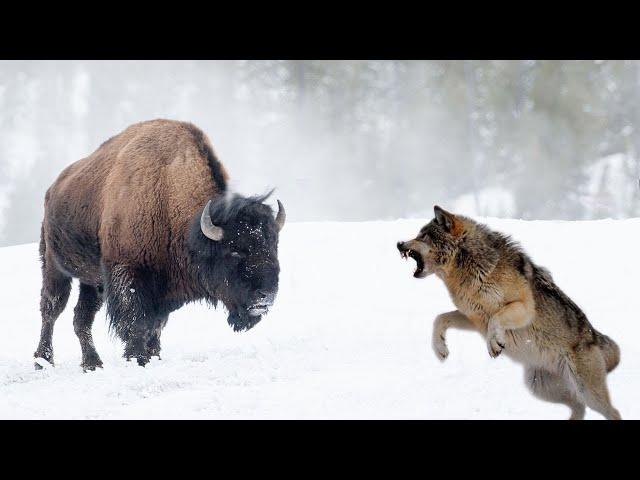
{"x": 346, "y": 140}
{"x": 316, "y": 314}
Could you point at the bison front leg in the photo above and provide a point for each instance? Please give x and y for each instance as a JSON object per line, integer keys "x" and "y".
{"x": 153, "y": 345}
{"x": 136, "y": 345}
{"x": 132, "y": 310}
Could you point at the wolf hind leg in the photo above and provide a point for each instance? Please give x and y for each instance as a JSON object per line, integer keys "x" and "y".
{"x": 553, "y": 388}
{"x": 590, "y": 374}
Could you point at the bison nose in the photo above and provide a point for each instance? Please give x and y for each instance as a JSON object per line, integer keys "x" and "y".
{"x": 266, "y": 297}
{"x": 400, "y": 246}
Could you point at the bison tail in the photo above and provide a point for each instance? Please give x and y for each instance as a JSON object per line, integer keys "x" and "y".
{"x": 43, "y": 244}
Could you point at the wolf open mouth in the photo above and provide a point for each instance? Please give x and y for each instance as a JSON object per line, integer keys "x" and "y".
{"x": 419, "y": 271}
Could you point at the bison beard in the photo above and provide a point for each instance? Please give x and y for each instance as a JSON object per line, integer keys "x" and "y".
{"x": 242, "y": 322}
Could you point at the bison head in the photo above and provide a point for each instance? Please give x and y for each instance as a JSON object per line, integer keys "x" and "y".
{"x": 238, "y": 240}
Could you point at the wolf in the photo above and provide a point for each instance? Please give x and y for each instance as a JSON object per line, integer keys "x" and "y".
{"x": 515, "y": 304}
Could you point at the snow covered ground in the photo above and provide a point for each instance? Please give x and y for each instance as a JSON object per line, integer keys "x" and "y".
{"x": 349, "y": 337}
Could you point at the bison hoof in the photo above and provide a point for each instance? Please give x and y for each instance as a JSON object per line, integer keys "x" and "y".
{"x": 42, "y": 363}
{"x": 153, "y": 352}
{"x": 91, "y": 361}
{"x": 90, "y": 367}
{"x": 38, "y": 366}
{"x": 143, "y": 360}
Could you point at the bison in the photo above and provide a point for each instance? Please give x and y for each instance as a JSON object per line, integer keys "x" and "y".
{"x": 147, "y": 224}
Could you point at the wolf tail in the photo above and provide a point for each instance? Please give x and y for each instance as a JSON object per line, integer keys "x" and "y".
{"x": 610, "y": 351}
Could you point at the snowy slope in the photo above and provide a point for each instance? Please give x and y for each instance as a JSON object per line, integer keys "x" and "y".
{"x": 349, "y": 337}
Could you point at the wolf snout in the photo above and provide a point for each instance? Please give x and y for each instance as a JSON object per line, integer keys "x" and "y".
{"x": 404, "y": 249}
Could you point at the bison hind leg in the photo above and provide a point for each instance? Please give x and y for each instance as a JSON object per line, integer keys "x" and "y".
{"x": 89, "y": 302}
{"x": 54, "y": 295}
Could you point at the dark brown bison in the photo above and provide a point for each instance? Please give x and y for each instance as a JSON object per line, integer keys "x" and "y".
{"x": 147, "y": 224}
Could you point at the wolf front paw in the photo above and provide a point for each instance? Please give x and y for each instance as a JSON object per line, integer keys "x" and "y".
{"x": 495, "y": 343}
{"x": 440, "y": 347}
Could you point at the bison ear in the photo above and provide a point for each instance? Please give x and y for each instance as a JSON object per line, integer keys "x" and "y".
{"x": 445, "y": 219}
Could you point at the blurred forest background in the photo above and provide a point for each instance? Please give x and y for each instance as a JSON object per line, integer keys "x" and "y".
{"x": 346, "y": 140}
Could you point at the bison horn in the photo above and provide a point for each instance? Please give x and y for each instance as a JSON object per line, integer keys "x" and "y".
{"x": 281, "y": 217}
{"x": 208, "y": 228}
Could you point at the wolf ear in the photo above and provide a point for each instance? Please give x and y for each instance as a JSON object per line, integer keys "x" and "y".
{"x": 443, "y": 218}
